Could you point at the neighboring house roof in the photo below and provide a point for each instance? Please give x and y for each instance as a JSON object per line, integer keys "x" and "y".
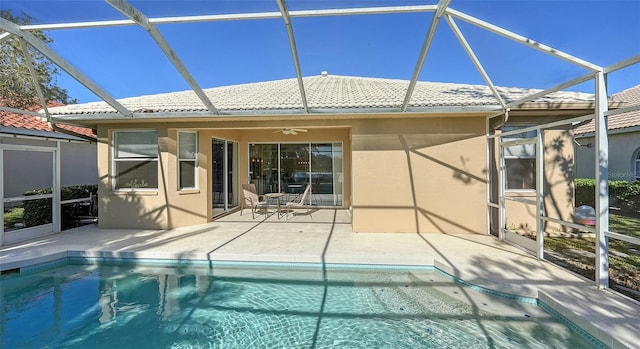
{"x": 25, "y": 124}
{"x": 325, "y": 93}
{"x": 630, "y": 97}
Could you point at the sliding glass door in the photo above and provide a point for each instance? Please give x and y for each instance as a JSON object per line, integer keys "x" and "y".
{"x": 263, "y": 168}
{"x": 294, "y": 164}
{"x": 289, "y": 167}
{"x": 326, "y": 173}
{"x": 224, "y": 175}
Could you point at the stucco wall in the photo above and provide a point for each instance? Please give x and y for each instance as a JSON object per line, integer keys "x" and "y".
{"x": 419, "y": 175}
{"x": 164, "y": 208}
{"x": 135, "y": 209}
{"x": 410, "y": 174}
{"x": 169, "y": 207}
{"x": 622, "y": 148}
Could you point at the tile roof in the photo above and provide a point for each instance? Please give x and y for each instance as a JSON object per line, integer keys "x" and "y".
{"x": 631, "y": 97}
{"x": 324, "y": 93}
{"x": 30, "y": 122}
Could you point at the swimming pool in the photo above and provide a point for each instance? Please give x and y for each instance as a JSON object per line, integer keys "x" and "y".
{"x": 126, "y": 305}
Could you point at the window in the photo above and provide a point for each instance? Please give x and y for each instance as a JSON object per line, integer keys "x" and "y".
{"x": 187, "y": 159}
{"x": 520, "y": 160}
{"x": 135, "y": 160}
{"x": 637, "y": 165}
{"x": 525, "y": 134}
{"x": 520, "y": 173}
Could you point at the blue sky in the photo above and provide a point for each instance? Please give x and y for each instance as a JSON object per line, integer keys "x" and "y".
{"x": 126, "y": 62}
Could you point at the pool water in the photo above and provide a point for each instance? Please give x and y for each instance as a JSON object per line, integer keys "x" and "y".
{"x": 148, "y": 306}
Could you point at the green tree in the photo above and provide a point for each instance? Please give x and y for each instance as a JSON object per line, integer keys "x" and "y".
{"x": 16, "y": 84}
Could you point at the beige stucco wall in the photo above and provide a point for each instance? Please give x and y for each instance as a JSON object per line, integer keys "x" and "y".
{"x": 412, "y": 174}
{"x": 419, "y": 175}
{"x": 169, "y": 207}
{"x": 622, "y": 148}
{"x": 133, "y": 209}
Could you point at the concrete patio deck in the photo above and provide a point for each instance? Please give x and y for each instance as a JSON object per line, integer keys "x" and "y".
{"x": 326, "y": 237}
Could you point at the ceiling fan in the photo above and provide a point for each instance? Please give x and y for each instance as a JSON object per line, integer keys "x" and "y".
{"x": 290, "y": 131}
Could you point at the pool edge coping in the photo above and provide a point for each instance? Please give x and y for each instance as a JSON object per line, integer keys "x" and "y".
{"x": 596, "y": 336}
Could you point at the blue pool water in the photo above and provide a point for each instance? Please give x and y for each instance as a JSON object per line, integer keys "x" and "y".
{"x": 151, "y": 306}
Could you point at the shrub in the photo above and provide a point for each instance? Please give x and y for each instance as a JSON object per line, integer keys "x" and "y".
{"x": 622, "y": 194}
{"x": 12, "y": 217}
{"x": 585, "y": 191}
{"x": 38, "y": 212}
{"x": 630, "y": 198}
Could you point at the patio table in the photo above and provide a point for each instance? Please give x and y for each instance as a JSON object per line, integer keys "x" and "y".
{"x": 274, "y": 196}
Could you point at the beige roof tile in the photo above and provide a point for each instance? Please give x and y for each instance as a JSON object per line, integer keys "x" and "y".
{"x": 323, "y": 92}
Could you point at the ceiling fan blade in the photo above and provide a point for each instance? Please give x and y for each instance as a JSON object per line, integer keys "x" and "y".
{"x": 290, "y": 131}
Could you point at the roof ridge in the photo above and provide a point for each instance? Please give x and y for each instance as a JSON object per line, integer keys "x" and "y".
{"x": 330, "y": 76}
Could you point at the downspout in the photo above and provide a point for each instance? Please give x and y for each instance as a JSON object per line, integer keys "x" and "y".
{"x": 505, "y": 120}
{"x": 501, "y": 184}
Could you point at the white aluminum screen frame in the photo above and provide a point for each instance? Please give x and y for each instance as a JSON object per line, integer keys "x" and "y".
{"x": 56, "y": 219}
{"x": 597, "y": 73}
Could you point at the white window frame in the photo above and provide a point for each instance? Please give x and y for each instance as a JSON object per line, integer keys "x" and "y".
{"x": 115, "y": 160}
{"x": 507, "y": 174}
{"x": 514, "y": 127}
{"x": 194, "y": 160}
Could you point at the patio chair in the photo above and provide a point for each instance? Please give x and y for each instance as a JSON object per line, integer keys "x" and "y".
{"x": 251, "y": 199}
{"x": 299, "y": 202}
{"x": 315, "y": 191}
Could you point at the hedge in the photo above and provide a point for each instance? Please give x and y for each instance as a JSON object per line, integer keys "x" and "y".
{"x": 622, "y": 194}
{"x": 38, "y": 212}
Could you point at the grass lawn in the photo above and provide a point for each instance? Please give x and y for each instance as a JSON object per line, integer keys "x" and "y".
{"x": 624, "y": 258}
{"x": 12, "y": 217}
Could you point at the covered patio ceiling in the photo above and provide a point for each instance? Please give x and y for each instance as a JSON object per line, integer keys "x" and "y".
{"x": 440, "y": 12}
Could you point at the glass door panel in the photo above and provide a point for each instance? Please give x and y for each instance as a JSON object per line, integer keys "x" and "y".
{"x": 263, "y": 170}
{"x": 217, "y": 175}
{"x": 294, "y": 168}
{"x": 224, "y": 156}
{"x": 325, "y": 175}
{"x": 289, "y": 167}
{"x": 338, "y": 171}
{"x": 232, "y": 177}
